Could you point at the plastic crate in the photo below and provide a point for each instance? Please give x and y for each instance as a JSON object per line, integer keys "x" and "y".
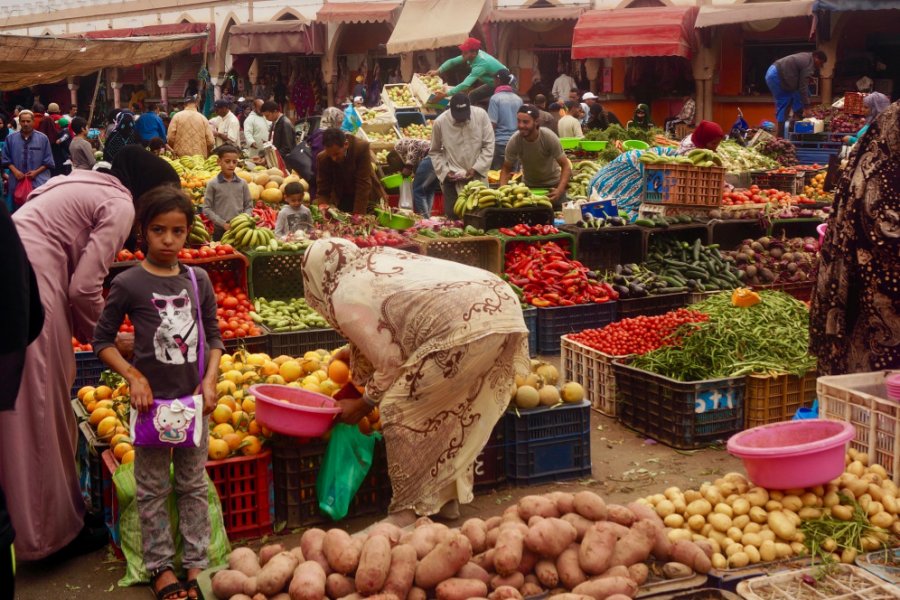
{"x": 295, "y": 468}
{"x": 253, "y": 344}
{"x": 556, "y": 321}
{"x": 680, "y": 414}
{"x": 682, "y": 184}
{"x": 593, "y": 370}
{"x": 530, "y": 315}
{"x": 548, "y": 444}
{"x": 801, "y": 290}
{"x": 377, "y": 145}
{"x": 853, "y": 104}
{"x": 861, "y": 399}
{"x": 230, "y": 263}
{"x": 297, "y": 343}
{"x": 650, "y": 306}
{"x": 90, "y": 450}
{"x": 603, "y": 249}
{"x": 775, "y": 398}
{"x": 275, "y": 275}
{"x": 482, "y": 251}
{"x": 685, "y": 232}
{"x": 243, "y": 486}
{"x": 842, "y": 581}
{"x": 566, "y": 241}
{"x": 386, "y": 99}
{"x": 88, "y": 369}
{"x": 883, "y": 563}
{"x": 792, "y": 183}
{"x": 81, "y": 413}
{"x": 111, "y": 504}
{"x": 728, "y": 234}
{"x": 423, "y": 94}
{"x": 495, "y": 218}
{"x": 490, "y": 464}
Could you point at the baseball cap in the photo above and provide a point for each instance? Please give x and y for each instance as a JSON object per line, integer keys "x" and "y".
{"x": 589, "y": 96}
{"x": 470, "y": 44}
{"x": 460, "y": 107}
{"x": 503, "y": 76}
{"x": 221, "y": 103}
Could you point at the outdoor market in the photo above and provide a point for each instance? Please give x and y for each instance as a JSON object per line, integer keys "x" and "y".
{"x": 451, "y": 299}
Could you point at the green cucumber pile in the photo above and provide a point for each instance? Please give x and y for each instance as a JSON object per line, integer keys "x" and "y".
{"x": 695, "y": 266}
{"x": 282, "y": 316}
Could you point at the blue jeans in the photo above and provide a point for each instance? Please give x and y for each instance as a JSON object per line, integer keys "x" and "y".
{"x": 499, "y": 155}
{"x": 783, "y": 100}
{"x": 425, "y": 184}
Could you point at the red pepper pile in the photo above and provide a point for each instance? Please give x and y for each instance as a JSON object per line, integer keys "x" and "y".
{"x": 266, "y": 215}
{"x": 640, "y": 334}
{"x": 527, "y": 230}
{"x": 548, "y": 277}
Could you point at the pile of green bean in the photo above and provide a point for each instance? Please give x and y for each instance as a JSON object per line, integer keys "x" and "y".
{"x": 771, "y": 337}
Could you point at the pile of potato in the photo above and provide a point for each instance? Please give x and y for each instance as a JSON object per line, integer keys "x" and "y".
{"x": 747, "y": 525}
{"x": 575, "y": 546}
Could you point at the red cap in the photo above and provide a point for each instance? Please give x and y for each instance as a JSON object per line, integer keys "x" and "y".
{"x": 470, "y": 44}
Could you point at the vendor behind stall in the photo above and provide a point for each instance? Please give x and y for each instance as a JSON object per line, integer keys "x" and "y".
{"x": 877, "y": 103}
{"x": 345, "y": 175}
{"x": 623, "y": 179}
{"x": 707, "y": 136}
{"x": 483, "y": 67}
{"x": 788, "y": 80}
{"x": 544, "y": 163}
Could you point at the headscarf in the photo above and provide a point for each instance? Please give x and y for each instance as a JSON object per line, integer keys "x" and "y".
{"x": 140, "y": 171}
{"x": 124, "y": 124}
{"x": 877, "y": 103}
{"x": 322, "y": 264}
{"x": 643, "y": 121}
{"x": 598, "y": 118}
{"x": 122, "y": 134}
{"x": 332, "y": 118}
{"x": 706, "y": 133}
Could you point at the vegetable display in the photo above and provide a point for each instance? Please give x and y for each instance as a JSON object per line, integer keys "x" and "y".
{"x": 476, "y": 195}
{"x": 780, "y": 150}
{"x": 582, "y": 173}
{"x": 769, "y": 337}
{"x": 775, "y": 260}
{"x": 639, "y": 335}
{"x": 739, "y": 159}
{"x": 547, "y": 277}
{"x": 698, "y": 267}
{"x": 636, "y": 281}
{"x": 696, "y": 158}
{"x": 523, "y": 230}
{"x": 286, "y": 315}
{"x": 244, "y": 232}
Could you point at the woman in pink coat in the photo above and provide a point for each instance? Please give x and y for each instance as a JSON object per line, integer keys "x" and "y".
{"x": 71, "y": 228}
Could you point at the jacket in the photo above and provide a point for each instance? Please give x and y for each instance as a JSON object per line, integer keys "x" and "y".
{"x": 794, "y": 72}
{"x": 351, "y": 185}
{"x": 460, "y": 147}
{"x": 190, "y": 133}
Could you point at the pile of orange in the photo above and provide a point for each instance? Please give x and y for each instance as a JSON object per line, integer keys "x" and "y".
{"x": 108, "y": 415}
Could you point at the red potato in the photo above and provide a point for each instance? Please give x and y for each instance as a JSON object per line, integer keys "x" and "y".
{"x": 531, "y": 589}
{"x": 338, "y": 586}
{"x": 268, "y": 551}
{"x": 493, "y": 523}
{"x": 662, "y": 547}
{"x": 311, "y": 547}
{"x": 416, "y": 594}
{"x": 569, "y": 596}
{"x": 621, "y": 530}
{"x": 617, "y": 571}
{"x": 590, "y": 506}
{"x": 515, "y": 580}
{"x": 228, "y": 582}
{"x": 580, "y": 524}
{"x": 690, "y": 554}
{"x": 534, "y": 520}
{"x": 509, "y": 549}
{"x": 636, "y": 546}
{"x": 549, "y": 537}
{"x": 619, "y": 597}
{"x": 388, "y": 530}
{"x": 511, "y": 513}
{"x": 470, "y": 570}
{"x": 596, "y": 550}
{"x": 423, "y": 521}
{"x": 490, "y": 539}
{"x": 529, "y": 559}
{"x": 460, "y": 589}
{"x": 505, "y": 593}
{"x": 639, "y": 573}
{"x": 402, "y": 572}
{"x": 565, "y": 502}
{"x": 250, "y": 586}
{"x": 476, "y": 531}
{"x": 374, "y": 564}
{"x": 601, "y": 588}
{"x": 244, "y": 560}
{"x": 485, "y": 560}
{"x": 281, "y": 596}
{"x": 707, "y": 548}
{"x": 443, "y": 562}
{"x": 619, "y": 514}
{"x": 298, "y": 554}
{"x": 547, "y": 574}
{"x": 541, "y": 506}
{"x": 276, "y": 574}
{"x": 308, "y": 582}
{"x": 353, "y": 596}
{"x": 424, "y": 539}
{"x": 244, "y": 597}
{"x": 570, "y": 573}
{"x": 341, "y": 551}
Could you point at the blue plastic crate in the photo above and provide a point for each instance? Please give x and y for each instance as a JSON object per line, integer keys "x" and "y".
{"x": 548, "y": 444}
{"x": 490, "y": 464}
{"x": 88, "y": 369}
{"x": 528, "y": 425}
{"x": 530, "y": 315}
{"x": 555, "y": 322}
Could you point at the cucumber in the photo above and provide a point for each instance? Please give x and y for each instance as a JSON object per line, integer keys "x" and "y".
{"x": 644, "y": 223}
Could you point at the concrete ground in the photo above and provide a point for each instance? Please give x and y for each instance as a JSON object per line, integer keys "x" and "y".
{"x": 626, "y": 466}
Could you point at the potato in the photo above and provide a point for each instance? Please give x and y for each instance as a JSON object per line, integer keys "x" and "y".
{"x": 723, "y": 509}
{"x": 741, "y": 506}
{"x": 720, "y": 521}
{"x": 752, "y": 528}
{"x": 388, "y": 530}
{"x": 529, "y": 559}
{"x": 444, "y": 561}
{"x": 569, "y": 596}
{"x": 620, "y": 514}
{"x": 460, "y": 589}
{"x": 471, "y": 570}
{"x": 848, "y": 556}
{"x": 638, "y": 573}
{"x": 505, "y": 593}
{"x": 595, "y": 552}
{"x": 516, "y": 580}
{"x": 757, "y": 496}
{"x": 793, "y": 503}
{"x": 782, "y": 550}
{"x": 603, "y": 587}
{"x": 476, "y": 531}
{"x": 773, "y": 505}
{"x": 531, "y": 589}
{"x": 665, "y": 508}
{"x": 590, "y": 506}
{"x": 737, "y": 560}
{"x": 841, "y": 512}
{"x": 416, "y": 594}
{"x": 311, "y": 547}
{"x": 341, "y": 551}
{"x": 276, "y": 574}
{"x": 808, "y": 513}
{"x": 798, "y": 549}
{"x": 636, "y": 546}
{"x": 690, "y": 554}
{"x": 374, "y": 564}
{"x": 696, "y": 522}
{"x": 565, "y": 502}
{"x": 676, "y": 570}
{"x": 569, "y": 569}
{"x": 268, "y": 551}
{"x": 402, "y": 572}
{"x": 674, "y": 521}
{"x": 767, "y": 535}
{"x": 423, "y": 539}
{"x": 758, "y": 515}
{"x": 580, "y": 524}
{"x": 338, "y": 586}
{"x": 752, "y": 553}
{"x": 881, "y": 519}
{"x": 857, "y": 487}
{"x": 308, "y": 582}
{"x": 678, "y": 534}
{"x": 244, "y": 560}
{"x": 547, "y": 574}
{"x": 485, "y": 560}
{"x": 550, "y": 537}
{"x": 542, "y": 506}
{"x": 740, "y": 521}
{"x": 228, "y": 582}
{"x": 700, "y": 507}
{"x": 691, "y": 495}
{"x": 751, "y": 539}
{"x": 783, "y": 527}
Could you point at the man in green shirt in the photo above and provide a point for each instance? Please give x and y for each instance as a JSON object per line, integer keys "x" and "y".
{"x": 482, "y": 68}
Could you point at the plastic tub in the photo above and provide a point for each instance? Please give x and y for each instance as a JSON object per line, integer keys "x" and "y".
{"x": 635, "y": 145}
{"x": 569, "y": 143}
{"x": 821, "y": 231}
{"x": 392, "y": 181}
{"x": 539, "y": 191}
{"x": 394, "y": 221}
{"x": 793, "y": 454}
{"x": 294, "y": 411}
{"x": 593, "y": 146}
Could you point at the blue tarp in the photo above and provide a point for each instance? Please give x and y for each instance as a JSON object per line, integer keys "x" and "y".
{"x": 843, "y": 5}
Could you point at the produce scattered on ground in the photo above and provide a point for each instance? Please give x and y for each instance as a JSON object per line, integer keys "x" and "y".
{"x": 770, "y": 337}
{"x": 542, "y": 387}
{"x": 775, "y": 260}
{"x": 639, "y": 335}
{"x": 697, "y": 266}
{"x": 476, "y": 195}
{"x": 286, "y": 315}
{"x": 546, "y": 276}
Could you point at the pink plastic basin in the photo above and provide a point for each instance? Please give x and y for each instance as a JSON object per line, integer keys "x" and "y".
{"x": 294, "y": 411}
{"x": 793, "y": 454}
{"x": 821, "y": 229}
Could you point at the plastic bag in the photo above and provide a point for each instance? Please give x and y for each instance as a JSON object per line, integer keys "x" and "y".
{"x": 344, "y": 468}
{"x": 406, "y": 194}
{"x": 23, "y": 188}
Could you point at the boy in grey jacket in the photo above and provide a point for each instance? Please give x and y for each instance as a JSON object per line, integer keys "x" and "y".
{"x": 788, "y": 80}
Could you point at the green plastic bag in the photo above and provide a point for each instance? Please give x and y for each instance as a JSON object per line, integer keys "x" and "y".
{"x": 344, "y": 468}
{"x": 129, "y": 528}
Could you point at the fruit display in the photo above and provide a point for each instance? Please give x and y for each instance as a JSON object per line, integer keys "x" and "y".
{"x": 433, "y": 83}
{"x": 844, "y": 123}
{"x": 476, "y": 195}
{"x": 377, "y": 114}
{"x": 638, "y": 335}
{"x": 233, "y": 306}
{"x": 381, "y": 157}
{"x": 698, "y": 267}
{"x": 129, "y": 256}
{"x": 417, "y": 131}
{"x": 816, "y": 188}
{"x": 268, "y": 185}
{"x": 542, "y": 387}
{"x": 439, "y": 231}
{"x": 755, "y": 195}
{"x": 265, "y": 215}
{"x": 696, "y": 158}
{"x": 523, "y": 230}
{"x": 589, "y": 221}
{"x": 362, "y": 230}
{"x": 199, "y": 233}
{"x": 580, "y": 181}
{"x": 388, "y": 136}
{"x": 740, "y": 159}
{"x": 107, "y": 405}
{"x": 780, "y": 150}
{"x": 401, "y": 95}
{"x": 195, "y": 172}
{"x": 211, "y": 250}
{"x": 243, "y": 233}
{"x": 775, "y": 260}
{"x": 286, "y": 315}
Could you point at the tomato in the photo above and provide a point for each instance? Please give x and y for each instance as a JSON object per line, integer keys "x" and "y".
{"x": 230, "y": 302}
{"x": 227, "y": 334}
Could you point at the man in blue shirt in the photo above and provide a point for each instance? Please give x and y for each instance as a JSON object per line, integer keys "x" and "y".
{"x": 482, "y": 68}
{"x": 150, "y": 125}
{"x": 502, "y": 110}
{"x": 27, "y": 154}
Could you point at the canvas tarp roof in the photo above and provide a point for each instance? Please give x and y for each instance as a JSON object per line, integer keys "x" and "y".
{"x": 357, "y": 12}
{"x": 33, "y": 60}
{"x": 712, "y": 15}
{"x": 430, "y": 24}
{"x": 276, "y": 37}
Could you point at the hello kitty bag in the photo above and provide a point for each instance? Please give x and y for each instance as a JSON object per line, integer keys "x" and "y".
{"x": 178, "y": 422}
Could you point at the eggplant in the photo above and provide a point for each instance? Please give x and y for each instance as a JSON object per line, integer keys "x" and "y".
{"x": 616, "y": 221}
{"x": 619, "y": 280}
{"x": 624, "y": 292}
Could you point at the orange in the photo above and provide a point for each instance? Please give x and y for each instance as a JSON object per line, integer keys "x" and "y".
{"x": 281, "y": 359}
{"x": 254, "y": 428}
{"x": 104, "y": 392}
{"x": 233, "y": 440}
{"x": 222, "y": 414}
{"x": 122, "y": 390}
{"x": 249, "y": 404}
{"x": 118, "y": 438}
{"x": 90, "y": 406}
{"x": 290, "y": 370}
{"x": 269, "y": 368}
{"x": 277, "y": 379}
{"x": 218, "y": 449}
{"x": 338, "y": 372}
{"x": 240, "y": 419}
{"x": 121, "y": 449}
{"x": 228, "y": 401}
{"x": 99, "y": 414}
{"x": 221, "y": 429}
{"x": 85, "y": 390}
{"x": 128, "y": 457}
{"x": 251, "y": 445}
{"x": 107, "y": 427}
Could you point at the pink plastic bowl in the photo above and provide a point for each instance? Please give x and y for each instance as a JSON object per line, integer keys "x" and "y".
{"x": 821, "y": 229}
{"x": 304, "y": 414}
{"x": 793, "y": 454}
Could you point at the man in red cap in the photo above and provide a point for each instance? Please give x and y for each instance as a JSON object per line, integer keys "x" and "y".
{"x": 482, "y": 68}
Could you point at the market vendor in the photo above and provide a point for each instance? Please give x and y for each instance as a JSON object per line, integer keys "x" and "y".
{"x": 706, "y": 136}
{"x": 483, "y": 67}
{"x": 544, "y": 162}
{"x": 788, "y": 80}
{"x": 623, "y": 179}
{"x": 877, "y": 103}
{"x": 412, "y": 155}
{"x": 345, "y": 173}
{"x": 439, "y": 366}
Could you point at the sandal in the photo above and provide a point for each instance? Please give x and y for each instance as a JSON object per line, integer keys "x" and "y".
{"x": 192, "y": 585}
{"x": 172, "y": 591}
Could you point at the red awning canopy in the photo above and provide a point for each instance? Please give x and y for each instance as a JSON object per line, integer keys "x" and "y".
{"x": 160, "y": 30}
{"x": 358, "y": 12}
{"x": 662, "y": 31}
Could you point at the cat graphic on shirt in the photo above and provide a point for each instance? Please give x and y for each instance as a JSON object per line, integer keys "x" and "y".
{"x": 175, "y": 341}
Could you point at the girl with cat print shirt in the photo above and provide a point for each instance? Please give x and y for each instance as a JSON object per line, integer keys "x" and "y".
{"x": 159, "y": 297}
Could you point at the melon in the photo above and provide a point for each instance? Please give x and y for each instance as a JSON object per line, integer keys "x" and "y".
{"x": 534, "y": 380}
{"x": 244, "y": 175}
{"x": 572, "y": 392}
{"x": 261, "y": 179}
{"x": 289, "y": 179}
{"x": 271, "y": 185}
{"x": 274, "y": 171}
{"x": 527, "y": 397}
{"x": 277, "y": 179}
{"x": 271, "y": 195}
{"x": 549, "y": 373}
{"x": 255, "y": 191}
{"x": 549, "y": 396}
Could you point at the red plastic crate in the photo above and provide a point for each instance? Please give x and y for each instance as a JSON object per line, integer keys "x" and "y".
{"x": 243, "y": 484}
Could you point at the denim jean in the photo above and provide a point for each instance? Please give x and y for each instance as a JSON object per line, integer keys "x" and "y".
{"x": 499, "y": 155}
{"x": 783, "y": 100}
{"x": 425, "y": 184}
